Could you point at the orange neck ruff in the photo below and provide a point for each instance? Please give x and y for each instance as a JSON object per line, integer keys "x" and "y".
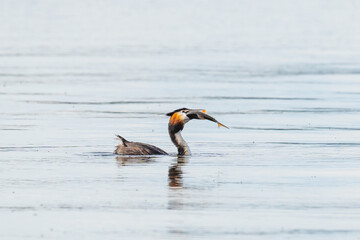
{"x": 176, "y": 118}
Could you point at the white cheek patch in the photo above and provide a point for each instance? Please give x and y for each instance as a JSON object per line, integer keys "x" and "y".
{"x": 185, "y": 118}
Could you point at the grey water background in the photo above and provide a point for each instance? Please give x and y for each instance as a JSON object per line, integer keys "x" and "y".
{"x": 284, "y": 75}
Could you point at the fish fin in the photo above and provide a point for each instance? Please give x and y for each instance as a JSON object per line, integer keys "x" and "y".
{"x": 222, "y": 125}
{"x": 123, "y": 141}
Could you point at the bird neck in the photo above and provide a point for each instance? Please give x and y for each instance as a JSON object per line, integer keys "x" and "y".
{"x": 179, "y": 142}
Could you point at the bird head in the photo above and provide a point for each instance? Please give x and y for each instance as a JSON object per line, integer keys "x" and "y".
{"x": 179, "y": 117}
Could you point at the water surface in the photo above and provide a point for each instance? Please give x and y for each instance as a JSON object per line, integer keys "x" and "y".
{"x": 284, "y": 77}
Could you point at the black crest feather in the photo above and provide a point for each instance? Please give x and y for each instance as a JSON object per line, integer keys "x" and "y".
{"x": 177, "y": 110}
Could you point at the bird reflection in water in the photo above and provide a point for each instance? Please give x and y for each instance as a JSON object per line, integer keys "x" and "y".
{"x": 127, "y": 160}
{"x": 175, "y": 172}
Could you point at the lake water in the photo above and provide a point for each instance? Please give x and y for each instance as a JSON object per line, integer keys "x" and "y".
{"x": 283, "y": 75}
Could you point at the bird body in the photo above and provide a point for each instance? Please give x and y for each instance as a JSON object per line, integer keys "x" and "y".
{"x": 178, "y": 119}
{"x": 136, "y": 148}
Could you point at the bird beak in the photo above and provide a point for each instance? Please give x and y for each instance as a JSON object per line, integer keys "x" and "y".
{"x": 201, "y": 114}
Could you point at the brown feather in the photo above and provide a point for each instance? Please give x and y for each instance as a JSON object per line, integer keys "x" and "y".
{"x": 136, "y": 148}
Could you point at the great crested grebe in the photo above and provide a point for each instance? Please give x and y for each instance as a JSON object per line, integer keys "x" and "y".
{"x": 178, "y": 119}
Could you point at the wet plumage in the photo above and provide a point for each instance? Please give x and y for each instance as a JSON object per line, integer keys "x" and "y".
{"x": 136, "y": 148}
